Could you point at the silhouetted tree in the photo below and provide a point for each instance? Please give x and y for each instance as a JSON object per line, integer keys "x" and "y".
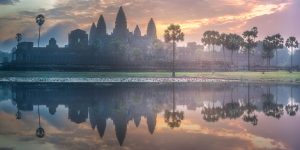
{"x": 268, "y": 49}
{"x": 222, "y": 43}
{"x": 278, "y": 44}
{"x": 173, "y": 34}
{"x": 211, "y": 38}
{"x": 291, "y": 43}
{"x": 233, "y": 43}
{"x": 18, "y": 37}
{"x": 40, "y": 19}
{"x": 250, "y": 44}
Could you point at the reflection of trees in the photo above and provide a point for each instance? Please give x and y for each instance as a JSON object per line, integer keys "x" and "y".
{"x": 250, "y": 109}
{"x": 291, "y": 108}
{"x": 211, "y": 114}
{"x": 173, "y": 118}
{"x": 18, "y": 114}
{"x": 233, "y": 109}
{"x": 269, "y": 107}
{"x": 40, "y": 132}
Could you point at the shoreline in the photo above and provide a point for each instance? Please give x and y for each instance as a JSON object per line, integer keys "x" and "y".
{"x": 112, "y": 80}
{"x": 136, "y": 80}
{"x": 281, "y": 77}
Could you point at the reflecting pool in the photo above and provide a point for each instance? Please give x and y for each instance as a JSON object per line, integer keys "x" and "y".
{"x": 149, "y": 116}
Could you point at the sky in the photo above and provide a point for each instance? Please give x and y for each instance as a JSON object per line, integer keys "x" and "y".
{"x": 194, "y": 16}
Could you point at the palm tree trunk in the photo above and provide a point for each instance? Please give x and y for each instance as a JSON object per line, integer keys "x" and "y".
{"x": 214, "y": 58}
{"x": 269, "y": 62}
{"x": 237, "y": 59}
{"x": 173, "y": 69}
{"x": 276, "y": 58}
{"x": 224, "y": 59}
{"x": 248, "y": 60}
{"x": 291, "y": 59}
{"x": 231, "y": 57}
{"x": 39, "y": 36}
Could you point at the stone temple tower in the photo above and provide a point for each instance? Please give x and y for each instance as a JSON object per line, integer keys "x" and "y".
{"x": 93, "y": 36}
{"x": 121, "y": 31}
{"x": 137, "y": 32}
{"x": 151, "y": 30}
{"x": 101, "y": 27}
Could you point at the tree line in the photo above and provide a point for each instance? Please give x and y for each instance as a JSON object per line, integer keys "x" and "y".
{"x": 233, "y": 42}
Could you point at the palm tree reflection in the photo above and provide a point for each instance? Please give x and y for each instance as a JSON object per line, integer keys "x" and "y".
{"x": 18, "y": 115}
{"x": 173, "y": 118}
{"x": 250, "y": 111}
{"x": 211, "y": 114}
{"x": 291, "y": 108}
{"x": 233, "y": 109}
{"x": 270, "y": 108}
{"x": 40, "y": 132}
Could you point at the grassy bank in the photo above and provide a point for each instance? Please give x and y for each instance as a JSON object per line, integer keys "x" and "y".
{"x": 280, "y": 76}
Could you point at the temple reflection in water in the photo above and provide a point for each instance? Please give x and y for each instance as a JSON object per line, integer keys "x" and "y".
{"x": 124, "y": 103}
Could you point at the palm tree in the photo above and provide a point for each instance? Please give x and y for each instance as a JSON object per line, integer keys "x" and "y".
{"x": 173, "y": 34}
{"x": 278, "y": 44}
{"x": 250, "y": 44}
{"x": 40, "y": 19}
{"x": 233, "y": 43}
{"x": 268, "y": 49}
{"x": 221, "y": 41}
{"x": 291, "y": 43}
{"x": 18, "y": 37}
{"x": 211, "y": 38}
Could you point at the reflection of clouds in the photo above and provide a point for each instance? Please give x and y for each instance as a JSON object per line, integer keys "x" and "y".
{"x": 230, "y": 134}
{"x": 233, "y": 129}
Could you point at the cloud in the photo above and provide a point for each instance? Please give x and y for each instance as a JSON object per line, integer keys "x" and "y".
{"x": 8, "y": 2}
{"x": 195, "y": 16}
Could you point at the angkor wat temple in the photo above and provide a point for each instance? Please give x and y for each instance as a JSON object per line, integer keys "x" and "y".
{"x": 121, "y": 49}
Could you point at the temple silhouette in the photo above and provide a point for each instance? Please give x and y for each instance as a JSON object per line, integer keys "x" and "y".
{"x": 121, "y": 49}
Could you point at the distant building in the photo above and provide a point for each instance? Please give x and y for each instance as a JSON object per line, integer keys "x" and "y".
{"x": 99, "y": 36}
{"x": 98, "y": 49}
{"x": 52, "y": 44}
{"x": 78, "y": 39}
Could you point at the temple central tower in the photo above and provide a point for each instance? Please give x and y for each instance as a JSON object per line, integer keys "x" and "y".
{"x": 120, "y": 31}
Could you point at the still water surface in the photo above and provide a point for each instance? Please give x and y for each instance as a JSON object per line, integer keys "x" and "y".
{"x": 149, "y": 116}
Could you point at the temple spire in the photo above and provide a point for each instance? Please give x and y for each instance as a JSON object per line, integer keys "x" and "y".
{"x": 120, "y": 30}
{"x": 92, "y": 37}
{"x": 151, "y": 30}
{"x": 137, "y": 31}
{"x": 101, "y": 26}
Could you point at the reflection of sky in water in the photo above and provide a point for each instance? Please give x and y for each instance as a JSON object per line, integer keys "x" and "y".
{"x": 194, "y": 132}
